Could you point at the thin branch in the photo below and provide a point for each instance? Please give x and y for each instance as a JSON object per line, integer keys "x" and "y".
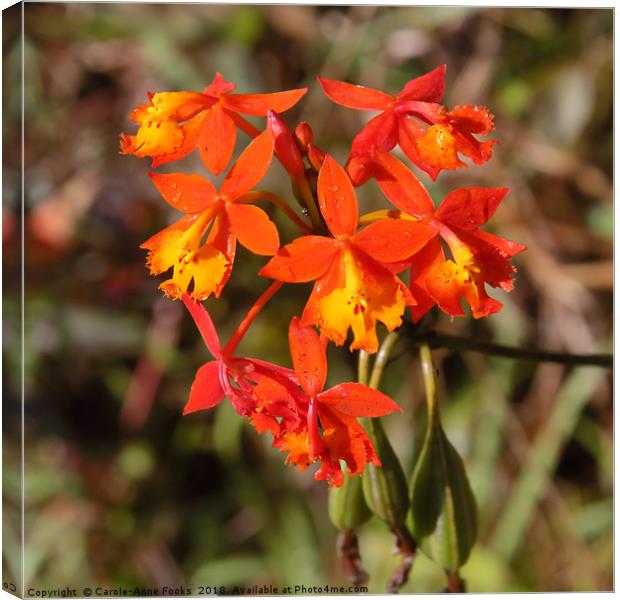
{"x": 437, "y": 339}
{"x": 281, "y": 203}
{"x": 349, "y": 554}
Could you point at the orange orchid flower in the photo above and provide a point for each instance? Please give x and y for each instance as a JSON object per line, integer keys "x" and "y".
{"x": 340, "y": 436}
{"x": 431, "y": 136}
{"x": 290, "y": 404}
{"x": 353, "y": 288}
{"x": 478, "y": 257}
{"x": 180, "y": 246}
{"x": 172, "y": 124}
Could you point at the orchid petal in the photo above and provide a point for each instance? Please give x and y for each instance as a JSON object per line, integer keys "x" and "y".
{"x": 426, "y": 88}
{"x": 305, "y": 259}
{"x": 308, "y": 357}
{"x": 253, "y": 228}
{"x": 206, "y": 391}
{"x": 217, "y": 139}
{"x": 204, "y": 323}
{"x": 392, "y": 240}
{"x": 221, "y": 237}
{"x": 355, "y": 96}
{"x": 219, "y": 86}
{"x": 259, "y": 104}
{"x": 337, "y": 199}
{"x": 358, "y": 400}
{"x": 469, "y": 208}
{"x": 430, "y": 256}
{"x": 250, "y": 167}
{"x": 188, "y": 193}
{"x": 401, "y": 186}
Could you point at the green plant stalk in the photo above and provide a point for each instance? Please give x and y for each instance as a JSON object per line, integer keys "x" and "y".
{"x": 385, "y": 487}
{"x": 430, "y": 385}
{"x": 443, "y": 508}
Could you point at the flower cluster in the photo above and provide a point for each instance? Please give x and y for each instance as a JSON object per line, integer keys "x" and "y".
{"x": 355, "y": 261}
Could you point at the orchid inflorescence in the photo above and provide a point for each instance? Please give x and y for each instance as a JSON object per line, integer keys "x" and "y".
{"x": 354, "y": 261}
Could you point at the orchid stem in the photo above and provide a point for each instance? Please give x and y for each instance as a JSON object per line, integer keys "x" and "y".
{"x": 456, "y": 585}
{"x": 362, "y": 367}
{"x": 430, "y": 385}
{"x": 244, "y": 125}
{"x": 241, "y": 330}
{"x": 382, "y": 358}
{"x": 391, "y": 485}
{"x": 281, "y": 203}
{"x": 437, "y": 339}
{"x": 311, "y": 205}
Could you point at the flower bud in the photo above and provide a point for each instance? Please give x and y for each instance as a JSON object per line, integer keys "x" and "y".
{"x": 285, "y": 146}
{"x": 443, "y": 514}
{"x": 304, "y": 135}
{"x": 347, "y": 507}
{"x": 385, "y": 487}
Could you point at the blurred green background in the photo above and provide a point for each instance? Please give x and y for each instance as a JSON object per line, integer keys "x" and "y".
{"x": 120, "y": 489}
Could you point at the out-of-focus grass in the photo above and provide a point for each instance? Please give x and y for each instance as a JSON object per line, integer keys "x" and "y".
{"x": 202, "y": 500}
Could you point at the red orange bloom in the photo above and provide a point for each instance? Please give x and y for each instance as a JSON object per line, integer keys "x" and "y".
{"x": 355, "y": 271}
{"x": 339, "y": 436}
{"x": 478, "y": 257}
{"x": 431, "y": 136}
{"x": 172, "y": 124}
{"x": 181, "y": 246}
{"x": 310, "y": 424}
{"x": 353, "y": 289}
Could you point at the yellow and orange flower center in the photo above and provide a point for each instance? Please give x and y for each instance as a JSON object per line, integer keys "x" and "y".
{"x": 298, "y": 447}
{"x": 364, "y": 300}
{"x": 461, "y": 252}
{"x": 160, "y": 120}
{"x": 181, "y": 250}
{"x": 437, "y": 147}
{"x": 462, "y": 273}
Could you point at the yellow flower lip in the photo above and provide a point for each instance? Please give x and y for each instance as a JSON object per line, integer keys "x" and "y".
{"x": 183, "y": 252}
{"x": 437, "y": 146}
{"x": 461, "y": 252}
{"x": 365, "y": 298}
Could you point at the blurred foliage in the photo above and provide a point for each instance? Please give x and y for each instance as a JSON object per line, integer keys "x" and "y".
{"x": 120, "y": 489}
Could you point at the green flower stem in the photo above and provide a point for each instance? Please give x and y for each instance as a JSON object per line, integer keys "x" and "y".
{"x": 443, "y": 507}
{"x": 362, "y": 367}
{"x": 382, "y": 357}
{"x": 430, "y": 386}
{"x": 385, "y": 487}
